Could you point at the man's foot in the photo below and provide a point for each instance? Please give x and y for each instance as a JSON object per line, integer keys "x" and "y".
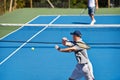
{"x": 93, "y": 21}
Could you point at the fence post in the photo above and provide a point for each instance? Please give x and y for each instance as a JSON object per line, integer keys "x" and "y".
{"x": 11, "y": 3}
{"x": 4, "y": 5}
{"x": 50, "y": 3}
{"x": 108, "y": 3}
{"x": 31, "y": 3}
{"x": 69, "y": 4}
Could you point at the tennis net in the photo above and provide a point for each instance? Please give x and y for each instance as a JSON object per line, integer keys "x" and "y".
{"x": 64, "y": 25}
{"x": 58, "y": 30}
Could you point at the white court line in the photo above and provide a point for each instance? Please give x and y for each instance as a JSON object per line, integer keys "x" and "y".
{"x": 18, "y": 28}
{"x": 29, "y": 40}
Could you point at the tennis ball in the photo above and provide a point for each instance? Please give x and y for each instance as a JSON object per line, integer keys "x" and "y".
{"x": 32, "y": 48}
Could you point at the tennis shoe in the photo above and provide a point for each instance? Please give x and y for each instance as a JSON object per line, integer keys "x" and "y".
{"x": 93, "y": 22}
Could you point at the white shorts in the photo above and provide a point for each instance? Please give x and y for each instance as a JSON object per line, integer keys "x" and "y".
{"x": 81, "y": 70}
{"x": 91, "y": 10}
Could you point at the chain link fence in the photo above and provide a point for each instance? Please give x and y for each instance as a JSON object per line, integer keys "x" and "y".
{"x": 2, "y": 11}
{"x": 115, "y": 3}
{"x": 56, "y": 3}
{"x": 45, "y": 4}
{"x": 4, "y": 6}
{"x": 109, "y": 3}
{"x": 71, "y": 3}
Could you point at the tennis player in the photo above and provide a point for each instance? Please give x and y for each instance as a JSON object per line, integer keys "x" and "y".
{"x": 92, "y": 5}
{"x": 84, "y": 66}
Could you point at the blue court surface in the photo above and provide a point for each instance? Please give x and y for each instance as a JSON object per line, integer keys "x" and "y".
{"x": 19, "y": 62}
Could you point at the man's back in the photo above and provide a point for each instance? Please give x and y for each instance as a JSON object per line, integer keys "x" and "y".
{"x": 91, "y": 3}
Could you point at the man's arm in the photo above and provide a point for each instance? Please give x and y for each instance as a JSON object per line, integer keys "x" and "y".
{"x": 66, "y": 42}
{"x": 69, "y": 49}
{"x": 96, "y": 1}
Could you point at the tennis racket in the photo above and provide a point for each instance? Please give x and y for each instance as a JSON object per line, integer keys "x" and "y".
{"x": 82, "y": 45}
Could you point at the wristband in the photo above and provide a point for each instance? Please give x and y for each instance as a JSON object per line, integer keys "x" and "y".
{"x": 59, "y": 48}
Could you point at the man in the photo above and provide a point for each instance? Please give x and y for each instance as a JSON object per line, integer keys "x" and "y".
{"x": 92, "y": 5}
{"x": 83, "y": 67}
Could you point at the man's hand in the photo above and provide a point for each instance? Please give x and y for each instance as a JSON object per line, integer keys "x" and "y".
{"x": 96, "y": 4}
{"x": 57, "y": 47}
{"x": 97, "y": 7}
{"x": 64, "y": 40}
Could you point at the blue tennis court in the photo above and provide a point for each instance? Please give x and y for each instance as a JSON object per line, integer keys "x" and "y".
{"x": 19, "y": 62}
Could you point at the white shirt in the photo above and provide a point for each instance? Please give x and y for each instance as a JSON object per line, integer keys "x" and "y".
{"x": 91, "y": 3}
{"x": 80, "y": 53}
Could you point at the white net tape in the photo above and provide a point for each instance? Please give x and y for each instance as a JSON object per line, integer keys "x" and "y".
{"x": 65, "y": 25}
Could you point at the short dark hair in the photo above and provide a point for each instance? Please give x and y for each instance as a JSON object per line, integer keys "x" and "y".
{"x": 77, "y": 33}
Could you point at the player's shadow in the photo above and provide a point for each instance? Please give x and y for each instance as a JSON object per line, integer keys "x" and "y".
{"x": 80, "y": 23}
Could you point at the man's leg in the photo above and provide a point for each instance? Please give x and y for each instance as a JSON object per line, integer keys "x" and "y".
{"x": 92, "y": 16}
{"x": 87, "y": 73}
{"x": 91, "y": 11}
{"x": 91, "y": 69}
{"x": 77, "y": 73}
